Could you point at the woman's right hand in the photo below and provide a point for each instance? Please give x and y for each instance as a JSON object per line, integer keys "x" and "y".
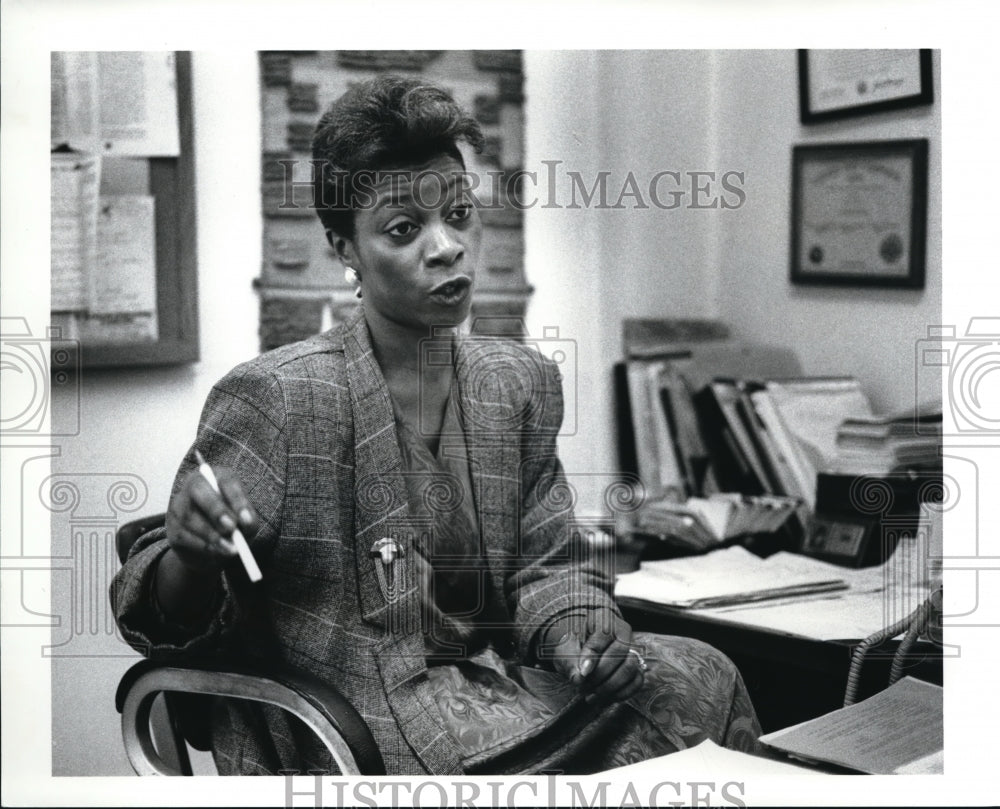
{"x": 200, "y": 521}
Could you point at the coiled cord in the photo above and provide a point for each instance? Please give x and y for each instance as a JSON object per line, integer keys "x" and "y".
{"x": 913, "y": 625}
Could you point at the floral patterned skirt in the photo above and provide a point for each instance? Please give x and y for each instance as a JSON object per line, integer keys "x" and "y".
{"x": 509, "y": 719}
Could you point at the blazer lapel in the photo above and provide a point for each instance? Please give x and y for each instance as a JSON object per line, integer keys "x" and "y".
{"x": 490, "y": 425}
{"x": 379, "y": 489}
{"x": 382, "y": 513}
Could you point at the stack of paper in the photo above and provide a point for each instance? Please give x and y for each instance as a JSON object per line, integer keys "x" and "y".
{"x": 899, "y": 730}
{"x": 728, "y": 576}
{"x": 883, "y": 444}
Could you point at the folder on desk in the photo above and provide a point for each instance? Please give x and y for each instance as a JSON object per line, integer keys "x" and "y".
{"x": 897, "y": 731}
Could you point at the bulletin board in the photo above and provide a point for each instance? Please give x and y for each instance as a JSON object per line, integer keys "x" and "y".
{"x": 137, "y": 303}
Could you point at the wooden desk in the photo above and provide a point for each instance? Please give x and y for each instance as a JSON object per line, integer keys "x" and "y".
{"x": 790, "y": 679}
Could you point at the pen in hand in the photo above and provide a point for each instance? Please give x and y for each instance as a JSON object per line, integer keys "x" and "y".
{"x": 242, "y": 548}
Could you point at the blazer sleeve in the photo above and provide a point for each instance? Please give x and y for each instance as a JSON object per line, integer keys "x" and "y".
{"x": 556, "y": 574}
{"x": 242, "y": 427}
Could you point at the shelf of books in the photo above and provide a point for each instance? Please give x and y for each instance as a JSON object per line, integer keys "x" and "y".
{"x": 729, "y": 440}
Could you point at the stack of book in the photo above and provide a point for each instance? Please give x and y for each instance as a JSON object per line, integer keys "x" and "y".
{"x": 880, "y": 445}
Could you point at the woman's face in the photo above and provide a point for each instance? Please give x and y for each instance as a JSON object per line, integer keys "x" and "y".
{"x": 416, "y": 245}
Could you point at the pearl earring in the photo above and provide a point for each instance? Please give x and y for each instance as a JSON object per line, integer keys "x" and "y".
{"x": 351, "y": 277}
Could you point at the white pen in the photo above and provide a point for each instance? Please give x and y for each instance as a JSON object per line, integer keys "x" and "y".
{"x": 242, "y": 548}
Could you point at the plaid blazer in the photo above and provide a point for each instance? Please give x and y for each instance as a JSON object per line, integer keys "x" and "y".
{"x": 309, "y": 429}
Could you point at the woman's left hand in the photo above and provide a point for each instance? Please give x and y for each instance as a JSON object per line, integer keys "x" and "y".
{"x": 596, "y": 653}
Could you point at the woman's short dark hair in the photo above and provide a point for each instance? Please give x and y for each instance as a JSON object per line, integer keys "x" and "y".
{"x": 385, "y": 123}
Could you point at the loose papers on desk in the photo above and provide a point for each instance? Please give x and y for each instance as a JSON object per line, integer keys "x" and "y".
{"x": 874, "y": 597}
{"x": 897, "y": 731}
{"x": 708, "y": 760}
{"x": 728, "y": 576}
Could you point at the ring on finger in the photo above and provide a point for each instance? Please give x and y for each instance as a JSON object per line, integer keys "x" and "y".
{"x": 642, "y": 661}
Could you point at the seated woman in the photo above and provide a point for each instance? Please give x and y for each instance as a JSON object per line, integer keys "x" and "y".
{"x": 400, "y": 485}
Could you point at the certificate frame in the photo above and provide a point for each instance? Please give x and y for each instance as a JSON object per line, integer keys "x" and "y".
{"x": 859, "y": 213}
{"x": 828, "y": 95}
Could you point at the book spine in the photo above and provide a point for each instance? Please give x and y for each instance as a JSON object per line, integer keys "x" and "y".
{"x": 692, "y": 446}
{"x": 686, "y": 472}
{"x": 732, "y": 472}
{"x": 787, "y": 478}
{"x": 671, "y": 475}
{"x": 728, "y": 395}
{"x": 642, "y": 428}
{"x": 623, "y": 420}
{"x": 789, "y": 447}
{"x": 782, "y": 479}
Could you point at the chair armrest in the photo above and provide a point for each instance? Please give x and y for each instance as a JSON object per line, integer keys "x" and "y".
{"x": 323, "y": 708}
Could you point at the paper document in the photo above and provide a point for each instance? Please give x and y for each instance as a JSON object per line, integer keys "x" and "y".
{"x": 73, "y": 198}
{"x": 897, "y": 730}
{"x": 137, "y": 327}
{"x": 76, "y": 113}
{"x": 876, "y": 597}
{"x": 138, "y": 104}
{"x": 117, "y": 103}
{"x": 126, "y": 238}
{"x": 844, "y": 615}
{"x": 728, "y": 576}
{"x": 708, "y": 759}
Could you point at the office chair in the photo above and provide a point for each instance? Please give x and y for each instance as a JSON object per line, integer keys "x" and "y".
{"x": 188, "y": 689}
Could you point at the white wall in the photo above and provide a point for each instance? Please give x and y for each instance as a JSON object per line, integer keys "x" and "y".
{"x": 619, "y": 112}
{"x": 870, "y": 334}
{"x": 140, "y": 422}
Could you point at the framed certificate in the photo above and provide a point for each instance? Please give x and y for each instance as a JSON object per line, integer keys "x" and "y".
{"x": 845, "y": 82}
{"x": 859, "y": 213}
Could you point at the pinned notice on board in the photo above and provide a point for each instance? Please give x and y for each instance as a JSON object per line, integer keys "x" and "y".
{"x": 126, "y": 239}
{"x": 116, "y": 103}
{"x": 75, "y": 179}
{"x": 138, "y": 104}
{"x": 76, "y": 114}
{"x": 123, "y": 294}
